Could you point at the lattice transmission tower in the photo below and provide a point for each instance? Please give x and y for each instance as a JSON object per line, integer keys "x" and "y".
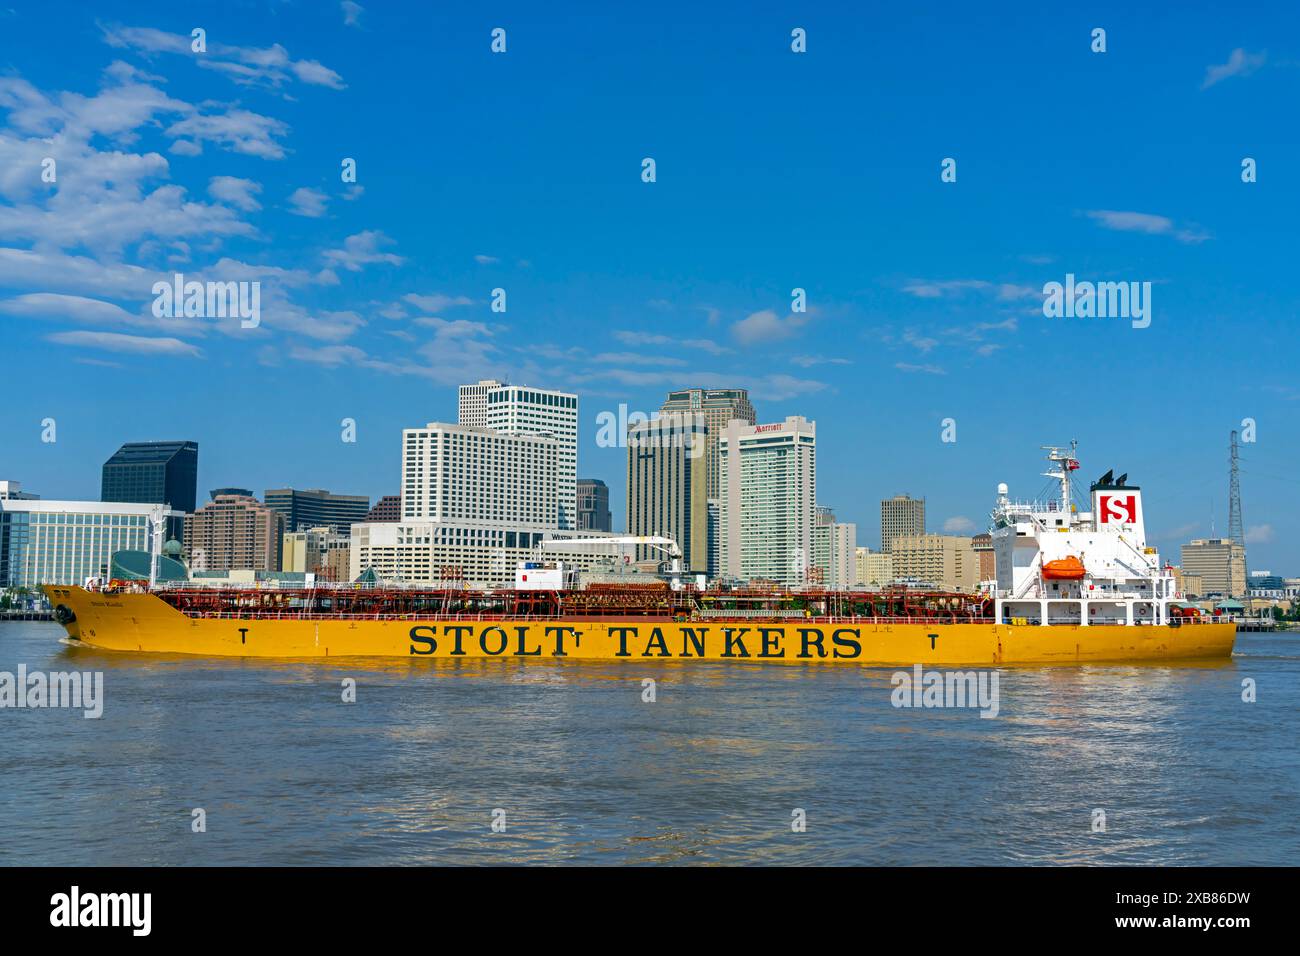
{"x": 1235, "y": 532}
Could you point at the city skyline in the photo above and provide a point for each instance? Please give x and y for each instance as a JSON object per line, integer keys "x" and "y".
{"x": 923, "y": 299}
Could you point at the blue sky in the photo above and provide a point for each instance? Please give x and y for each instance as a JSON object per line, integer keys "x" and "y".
{"x": 775, "y": 170}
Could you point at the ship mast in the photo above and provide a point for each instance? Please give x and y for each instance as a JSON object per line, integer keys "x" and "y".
{"x": 1066, "y": 461}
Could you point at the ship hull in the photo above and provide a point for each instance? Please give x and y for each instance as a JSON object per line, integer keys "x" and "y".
{"x": 144, "y": 623}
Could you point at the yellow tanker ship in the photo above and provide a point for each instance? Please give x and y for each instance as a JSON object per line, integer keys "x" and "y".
{"x": 1073, "y": 585}
{"x": 609, "y": 624}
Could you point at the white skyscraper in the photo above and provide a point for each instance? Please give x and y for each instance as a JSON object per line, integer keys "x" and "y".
{"x": 473, "y": 402}
{"x": 768, "y": 495}
{"x": 479, "y": 476}
{"x": 519, "y": 409}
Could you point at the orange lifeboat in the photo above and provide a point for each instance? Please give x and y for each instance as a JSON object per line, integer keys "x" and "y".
{"x": 1063, "y": 569}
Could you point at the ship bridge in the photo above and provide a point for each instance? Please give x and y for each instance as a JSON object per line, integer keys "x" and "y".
{"x": 1058, "y": 563}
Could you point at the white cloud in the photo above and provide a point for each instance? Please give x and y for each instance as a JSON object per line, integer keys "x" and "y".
{"x": 362, "y": 249}
{"x": 308, "y": 202}
{"x": 116, "y": 342}
{"x": 352, "y": 13}
{"x": 808, "y": 361}
{"x": 436, "y": 302}
{"x": 486, "y": 260}
{"x": 653, "y": 338}
{"x": 75, "y": 309}
{"x": 928, "y": 369}
{"x": 767, "y": 326}
{"x": 1126, "y": 221}
{"x": 269, "y": 66}
{"x": 1240, "y": 63}
{"x": 637, "y": 358}
{"x": 240, "y": 131}
{"x": 1259, "y": 534}
{"x": 959, "y": 525}
{"x": 238, "y": 192}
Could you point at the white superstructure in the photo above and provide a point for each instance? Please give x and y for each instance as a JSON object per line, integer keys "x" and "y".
{"x": 1059, "y": 565}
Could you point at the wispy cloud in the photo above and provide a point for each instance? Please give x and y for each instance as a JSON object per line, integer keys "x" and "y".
{"x": 1259, "y": 534}
{"x": 767, "y": 326}
{"x": 1240, "y": 63}
{"x": 808, "y": 361}
{"x": 307, "y": 202}
{"x": 361, "y": 250}
{"x": 259, "y": 66}
{"x": 928, "y": 369}
{"x": 239, "y": 193}
{"x": 352, "y": 13}
{"x": 1127, "y": 221}
{"x": 117, "y": 342}
{"x": 653, "y": 338}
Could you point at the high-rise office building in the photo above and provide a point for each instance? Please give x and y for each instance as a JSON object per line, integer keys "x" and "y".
{"x": 768, "y": 484}
{"x": 316, "y": 508}
{"x": 479, "y": 476}
{"x": 666, "y": 480}
{"x": 715, "y": 407}
{"x": 900, "y": 515}
{"x": 387, "y": 508}
{"x": 234, "y": 532}
{"x": 472, "y": 409}
{"x": 66, "y": 542}
{"x": 1220, "y": 563}
{"x": 835, "y": 545}
{"x": 153, "y": 472}
{"x": 517, "y": 409}
{"x": 593, "y": 505}
{"x": 13, "y": 491}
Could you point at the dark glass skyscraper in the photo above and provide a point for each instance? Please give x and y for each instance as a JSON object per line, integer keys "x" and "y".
{"x": 316, "y": 508}
{"x": 593, "y": 505}
{"x": 153, "y": 472}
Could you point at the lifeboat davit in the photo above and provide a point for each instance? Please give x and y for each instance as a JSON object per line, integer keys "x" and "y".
{"x": 1063, "y": 569}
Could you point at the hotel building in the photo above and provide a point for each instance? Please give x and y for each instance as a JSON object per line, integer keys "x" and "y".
{"x": 480, "y": 475}
{"x": 767, "y": 504}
